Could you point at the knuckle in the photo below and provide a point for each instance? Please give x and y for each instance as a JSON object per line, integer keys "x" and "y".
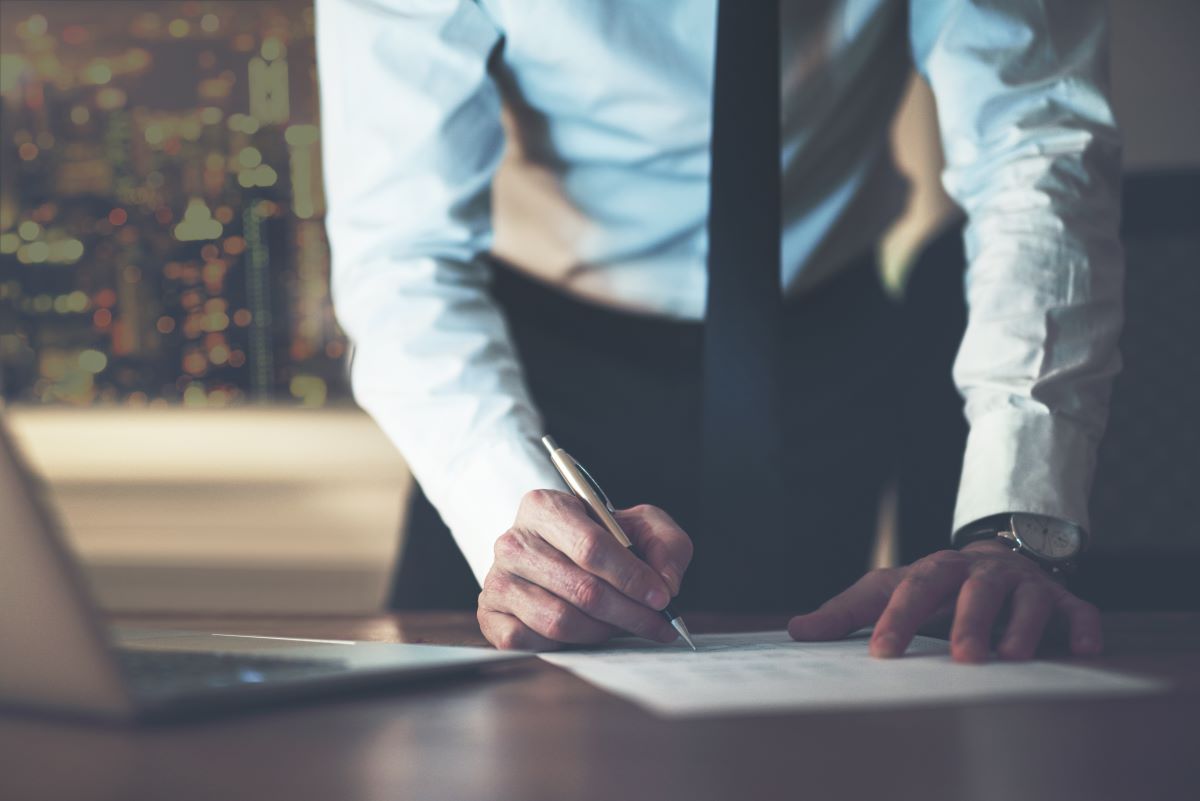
{"x": 663, "y": 527}
{"x": 988, "y": 580}
{"x": 536, "y": 500}
{"x": 686, "y": 548}
{"x": 556, "y": 621}
{"x": 991, "y": 567}
{"x": 924, "y": 571}
{"x": 495, "y": 585}
{"x": 916, "y": 580}
{"x": 587, "y": 593}
{"x": 878, "y": 575}
{"x": 625, "y": 577}
{"x": 540, "y": 497}
{"x": 877, "y": 582}
{"x": 508, "y": 638}
{"x": 508, "y": 546}
{"x": 943, "y": 558}
{"x": 500, "y": 630}
{"x": 589, "y": 549}
{"x": 660, "y": 515}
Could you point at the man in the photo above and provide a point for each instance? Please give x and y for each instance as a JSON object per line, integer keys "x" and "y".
{"x": 690, "y": 305}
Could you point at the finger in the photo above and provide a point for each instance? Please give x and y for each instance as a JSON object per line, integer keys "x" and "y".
{"x": 926, "y": 584}
{"x": 979, "y": 601}
{"x": 545, "y": 613}
{"x": 850, "y": 610}
{"x": 1032, "y": 605}
{"x": 1083, "y": 622}
{"x": 509, "y": 634}
{"x": 590, "y": 594}
{"x": 562, "y": 520}
{"x": 664, "y": 545}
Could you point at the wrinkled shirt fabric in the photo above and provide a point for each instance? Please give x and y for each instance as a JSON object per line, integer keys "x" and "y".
{"x": 572, "y": 139}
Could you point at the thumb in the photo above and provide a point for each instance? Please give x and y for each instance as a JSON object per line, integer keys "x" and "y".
{"x": 660, "y": 541}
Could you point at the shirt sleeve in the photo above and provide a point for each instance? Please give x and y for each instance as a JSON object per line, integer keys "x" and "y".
{"x": 1033, "y": 156}
{"x": 411, "y": 137}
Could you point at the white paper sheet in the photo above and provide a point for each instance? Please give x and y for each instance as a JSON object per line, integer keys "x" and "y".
{"x": 768, "y": 672}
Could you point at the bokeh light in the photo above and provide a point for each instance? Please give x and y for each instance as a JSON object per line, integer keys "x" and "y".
{"x": 161, "y": 233}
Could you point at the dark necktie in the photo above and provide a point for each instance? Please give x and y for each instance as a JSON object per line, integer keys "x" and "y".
{"x": 742, "y": 341}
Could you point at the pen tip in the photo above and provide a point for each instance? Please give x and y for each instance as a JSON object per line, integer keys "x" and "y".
{"x": 682, "y": 628}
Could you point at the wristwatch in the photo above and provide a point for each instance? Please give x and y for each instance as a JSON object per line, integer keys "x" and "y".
{"x": 1053, "y": 543}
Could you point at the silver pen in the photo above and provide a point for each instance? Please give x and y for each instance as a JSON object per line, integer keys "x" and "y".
{"x": 587, "y": 490}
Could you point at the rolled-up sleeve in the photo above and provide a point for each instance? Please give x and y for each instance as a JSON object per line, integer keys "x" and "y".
{"x": 411, "y": 137}
{"x": 1033, "y": 157}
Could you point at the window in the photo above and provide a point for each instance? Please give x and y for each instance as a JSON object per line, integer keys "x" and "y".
{"x": 161, "y": 233}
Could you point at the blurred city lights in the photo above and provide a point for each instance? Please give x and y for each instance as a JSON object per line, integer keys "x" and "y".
{"x": 98, "y": 73}
{"x": 92, "y": 361}
{"x": 34, "y": 26}
{"x": 160, "y": 218}
{"x": 198, "y": 223}
{"x": 250, "y": 157}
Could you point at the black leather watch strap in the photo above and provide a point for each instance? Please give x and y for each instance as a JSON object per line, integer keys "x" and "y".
{"x": 982, "y": 529}
{"x": 990, "y": 526}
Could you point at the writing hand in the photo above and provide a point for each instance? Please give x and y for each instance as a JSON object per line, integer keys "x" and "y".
{"x": 559, "y": 577}
{"x": 976, "y": 583}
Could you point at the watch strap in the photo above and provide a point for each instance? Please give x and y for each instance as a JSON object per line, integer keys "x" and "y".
{"x": 990, "y": 527}
{"x": 982, "y": 529}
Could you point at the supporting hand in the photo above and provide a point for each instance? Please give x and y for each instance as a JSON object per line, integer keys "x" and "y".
{"x": 975, "y": 583}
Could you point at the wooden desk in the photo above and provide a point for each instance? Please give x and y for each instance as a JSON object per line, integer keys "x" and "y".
{"x": 536, "y": 732}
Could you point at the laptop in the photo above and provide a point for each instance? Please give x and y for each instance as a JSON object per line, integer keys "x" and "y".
{"x": 57, "y": 653}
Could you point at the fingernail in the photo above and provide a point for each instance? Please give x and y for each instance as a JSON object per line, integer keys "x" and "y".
{"x": 887, "y": 645}
{"x": 657, "y": 598}
{"x": 796, "y": 625}
{"x": 1007, "y": 649}
{"x": 971, "y": 648}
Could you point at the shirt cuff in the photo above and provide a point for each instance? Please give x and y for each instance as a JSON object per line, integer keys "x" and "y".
{"x": 1023, "y": 461}
{"x": 479, "y": 499}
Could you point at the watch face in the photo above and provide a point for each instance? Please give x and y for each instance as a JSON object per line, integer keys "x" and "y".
{"x": 1048, "y": 537}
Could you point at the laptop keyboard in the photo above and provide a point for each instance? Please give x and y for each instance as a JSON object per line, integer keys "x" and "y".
{"x": 149, "y": 669}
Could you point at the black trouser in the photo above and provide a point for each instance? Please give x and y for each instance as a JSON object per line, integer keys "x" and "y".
{"x": 622, "y": 393}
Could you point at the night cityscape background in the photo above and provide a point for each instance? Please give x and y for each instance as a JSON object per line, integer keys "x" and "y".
{"x": 161, "y": 207}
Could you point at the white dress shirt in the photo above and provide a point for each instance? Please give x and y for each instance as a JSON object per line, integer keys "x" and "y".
{"x": 605, "y": 108}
